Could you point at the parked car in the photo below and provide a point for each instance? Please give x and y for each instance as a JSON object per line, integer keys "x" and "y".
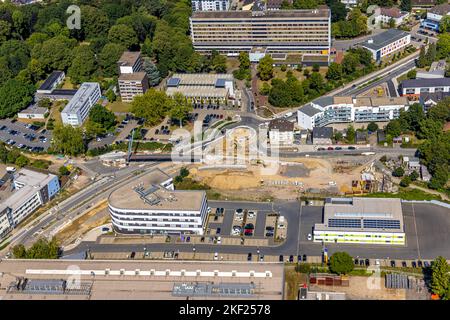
{"x": 269, "y": 234}
{"x": 291, "y": 258}
{"x": 218, "y": 231}
{"x": 216, "y": 256}
{"x": 414, "y": 264}
{"x": 309, "y": 237}
{"x": 351, "y": 148}
{"x": 419, "y": 264}
{"x": 404, "y": 265}
{"x": 281, "y": 258}
{"x": 392, "y": 263}
{"x": 304, "y": 258}
{"x": 249, "y": 256}
{"x": 133, "y": 254}
{"x": 367, "y": 262}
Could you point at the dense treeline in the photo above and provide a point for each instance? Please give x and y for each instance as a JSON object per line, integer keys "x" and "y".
{"x": 434, "y": 152}
{"x": 34, "y": 40}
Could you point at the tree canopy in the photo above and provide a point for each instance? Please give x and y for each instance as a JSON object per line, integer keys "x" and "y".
{"x": 341, "y": 263}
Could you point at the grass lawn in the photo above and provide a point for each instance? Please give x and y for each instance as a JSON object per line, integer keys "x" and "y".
{"x": 405, "y": 194}
{"x": 119, "y": 106}
{"x": 68, "y": 84}
{"x": 232, "y": 64}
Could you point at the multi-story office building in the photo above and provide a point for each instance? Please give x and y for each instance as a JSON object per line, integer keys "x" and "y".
{"x": 27, "y": 191}
{"x": 77, "y": 110}
{"x": 414, "y": 87}
{"x": 132, "y": 84}
{"x": 283, "y": 31}
{"x": 210, "y": 5}
{"x": 386, "y": 43}
{"x": 361, "y": 220}
{"x": 150, "y": 205}
{"x": 202, "y": 86}
{"x": 132, "y": 80}
{"x": 130, "y": 62}
{"x": 328, "y": 110}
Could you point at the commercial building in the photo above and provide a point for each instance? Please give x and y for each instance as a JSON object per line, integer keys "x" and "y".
{"x": 132, "y": 84}
{"x": 33, "y": 112}
{"x": 52, "y": 82}
{"x": 284, "y": 31}
{"x": 435, "y": 15}
{"x": 210, "y": 5}
{"x": 77, "y": 110}
{"x": 322, "y": 135}
{"x": 328, "y": 110}
{"x": 385, "y": 15}
{"x": 202, "y": 86}
{"x": 130, "y": 62}
{"x": 281, "y": 132}
{"x": 414, "y": 87}
{"x": 361, "y": 221}
{"x": 437, "y": 70}
{"x": 386, "y": 43}
{"x": 349, "y": 3}
{"x": 27, "y": 191}
{"x": 150, "y": 205}
{"x": 132, "y": 80}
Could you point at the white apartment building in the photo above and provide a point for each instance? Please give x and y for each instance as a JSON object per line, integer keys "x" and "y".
{"x": 28, "y": 190}
{"x": 281, "y": 132}
{"x": 77, "y": 110}
{"x": 361, "y": 221}
{"x": 328, "y": 110}
{"x": 210, "y": 5}
{"x": 349, "y": 3}
{"x": 435, "y": 15}
{"x": 150, "y": 205}
{"x": 130, "y": 62}
{"x": 386, "y": 43}
{"x": 415, "y": 87}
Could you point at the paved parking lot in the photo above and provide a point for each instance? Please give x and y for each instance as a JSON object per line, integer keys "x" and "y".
{"x": 426, "y": 228}
{"x": 19, "y": 138}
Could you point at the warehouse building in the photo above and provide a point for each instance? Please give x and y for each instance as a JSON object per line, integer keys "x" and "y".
{"x": 361, "y": 221}
{"x": 77, "y": 110}
{"x": 328, "y": 110}
{"x": 27, "y": 191}
{"x": 202, "y": 86}
{"x": 386, "y": 43}
{"x": 283, "y": 31}
{"x": 150, "y": 205}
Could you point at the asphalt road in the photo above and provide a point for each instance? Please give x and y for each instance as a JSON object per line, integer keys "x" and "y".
{"x": 425, "y": 240}
{"x": 357, "y": 90}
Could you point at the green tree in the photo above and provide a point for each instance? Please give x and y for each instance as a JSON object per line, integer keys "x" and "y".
{"x": 414, "y": 176}
{"x": 406, "y": 181}
{"x": 350, "y": 63}
{"x": 184, "y": 172}
{"x": 63, "y": 171}
{"x": 68, "y": 140}
{"x": 405, "y": 5}
{"x": 43, "y": 249}
{"x": 152, "y": 106}
{"x": 5, "y": 31}
{"x": 393, "y": 128}
{"x": 440, "y": 276}
{"x": 372, "y": 127}
{"x": 444, "y": 24}
{"x": 94, "y": 23}
{"x": 265, "y": 89}
{"x": 411, "y": 74}
{"x": 83, "y": 65}
{"x": 124, "y": 35}
{"x": 180, "y": 108}
{"x": 22, "y": 161}
{"x": 341, "y": 263}
{"x": 265, "y": 68}
{"x": 219, "y": 63}
{"x": 439, "y": 177}
{"x": 443, "y": 45}
{"x": 391, "y": 23}
{"x": 108, "y": 58}
{"x": 14, "y": 96}
{"x": 334, "y": 71}
{"x": 152, "y": 72}
{"x": 19, "y": 251}
{"x": 102, "y": 116}
{"x": 441, "y": 111}
{"x": 54, "y": 53}
{"x": 244, "y": 60}
{"x": 351, "y": 133}
{"x": 398, "y": 172}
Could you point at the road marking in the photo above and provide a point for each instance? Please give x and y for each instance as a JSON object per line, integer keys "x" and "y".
{"x": 415, "y": 228}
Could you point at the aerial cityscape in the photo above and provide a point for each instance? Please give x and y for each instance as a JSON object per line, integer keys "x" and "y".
{"x": 225, "y": 150}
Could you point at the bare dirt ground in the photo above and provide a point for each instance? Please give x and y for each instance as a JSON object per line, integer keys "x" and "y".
{"x": 97, "y": 216}
{"x": 291, "y": 176}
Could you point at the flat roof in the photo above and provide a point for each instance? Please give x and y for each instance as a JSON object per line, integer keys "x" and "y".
{"x": 146, "y": 193}
{"x": 82, "y": 94}
{"x": 129, "y": 58}
{"x": 143, "y": 285}
{"x": 309, "y": 110}
{"x": 383, "y": 39}
{"x": 50, "y": 81}
{"x": 379, "y": 101}
{"x": 200, "y": 79}
{"x": 198, "y": 91}
{"x": 425, "y": 83}
{"x": 277, "y": 14}
{"x": 135, "y": 76}
{"x": 34, "y": 109}
{"x": 362, "y": 214}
